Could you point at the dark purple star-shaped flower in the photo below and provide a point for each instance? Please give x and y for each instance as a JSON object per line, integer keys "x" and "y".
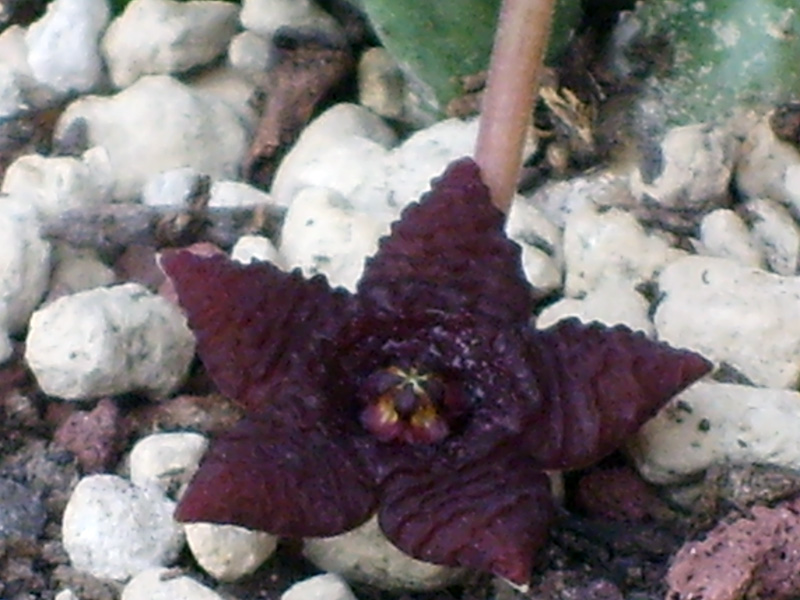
{"x": 426, "y": 396}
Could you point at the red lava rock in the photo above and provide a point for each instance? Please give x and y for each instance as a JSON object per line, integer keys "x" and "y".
{"x": 95, "y": 437}
{"x": 756, "y": 557}
{"x": 618, "y": 494}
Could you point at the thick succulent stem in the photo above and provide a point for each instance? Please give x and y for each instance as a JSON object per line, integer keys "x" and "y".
{"x": 519, "y": 47}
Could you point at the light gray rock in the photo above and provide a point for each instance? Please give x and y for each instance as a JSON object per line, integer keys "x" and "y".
{"x": 250, "y": 54}
{"x": 694, "y": 171}
{"x": 66, "y": 595}
{"x": 114, "y": 529}
{"x": 180, "y": 36}
{"x": 267, "y": 16}
{"x": 322, "y": 233}
{"x": 63, "y": 45}
{"x": 746, "y": 318}
{"x": 156, "y": 125}
{"x": 12, "y": 93}
{"x": 231, "y": 87}
{"x": 328, "y": 586}
{"x": 256, "y": 247}
{"x": 724, "y": 234}
{"x": 166, "y": 460}
{"x": 19, "y": 89}
{"x": 777, "y": 235}
{"x": 109, "y": 341}
{"x": 718, "y": 423}
{"x": 610, "y": 246}
{"x": 227, "y": 552}
{"x": 163, "y": 584}
{"x": 76, "y": 270}
{"x": 170, "y": 188}
{"x": 381, "y": 84}
{"x": 60, "y": 183}
{"x": 236, "y": 193}
{"x": 24, "y": 515}
{"x": 364, "y": 555}
{"x": 24, "y": 269}
{"x": 540, "y": 240}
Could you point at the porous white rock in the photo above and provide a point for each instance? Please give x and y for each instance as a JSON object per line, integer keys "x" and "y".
{"x": 724, "y": 234}
{"x": 693, "y": 170}
{"x": 24, "y": 268}
{"x": 744, "y": 317}
{"x": 236, "y": 193}
{"x": 179, "y": 36}
{"x": 719, "y": 423}
{"x": 322, "y": 233}
{"x": 62, "y": 45}
{"x": 156, "y": 125}
{"x": 114, "y": 529}
{"x": 231, "y": 87}
{"x": 228, "y": 552}
{"x": 76, "y": 270}
{"x": 775, "y": 232}
{"x": 267, "y": 16}
{"x": 364, "y": 555}
{"x": 540, "y": 240}
{"x": 66, "y": 595}
{"x": 166, "y": 460}
{"x": 19, "y": 89}
{"x": 610, "y": 246}
{"x": 609, "y": 304}
{"x": 163, "y": 584}
{"x": 60, "y": 183}
{"x": 170, "y": 188}
{"x": 328, "y": 586}
{"x": 250, "y": 53}
{"x": 109, "y": 341}
{"x": 256, "y": 247}
{"x": 12, "y": 93}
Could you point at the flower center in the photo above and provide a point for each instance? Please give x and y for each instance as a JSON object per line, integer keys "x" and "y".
{"x": 405, "y": 405}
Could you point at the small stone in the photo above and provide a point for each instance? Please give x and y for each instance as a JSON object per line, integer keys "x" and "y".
{"x": 66, "y": 595}
{"x": 323, "y": 234}
{"x": 156, "y": 125}
{"x": 171, "y": 188}
{"x": 776, "y": 234}
{"x": 228, "y": 552}
{"x": 114, "y": 529}
{"x": 741, "y": 317}
{"x": 250, "y": 54}
{"x": 236, "y": 193}
{"x": 364, "y": 555}
{"x": 540, "y": 240}
{"x": 328, "y": 586}
{"x": 76, "y": 270}
{"x": 63, "y": 45}
{"x": 12, "y": 93}
{"x": 109, "y": 341}
{"x": 180, "y": 36}
{"x": 251, "y": 248}
{"x": 166, "y": 460}
{"x": 227, "y": 85}
{"x": 724, "y": 234}
{"x": 163, "y": 584}
{"x": 265, "y": 17}
{"x": 95, "y": 437}
{"x": 381, "y": 84}
{"x": 23, "y": 515}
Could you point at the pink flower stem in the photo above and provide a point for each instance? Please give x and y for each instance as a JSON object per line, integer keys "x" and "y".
{"x": 507, "y": 105}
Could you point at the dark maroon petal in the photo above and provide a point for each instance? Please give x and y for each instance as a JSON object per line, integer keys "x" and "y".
{"x": 488, "y": 512}
{"x": 254, "y": 321}
{"x": 288, "y": 481}
{"x": 449, "y": 254}
{"x": 596, "y": 386}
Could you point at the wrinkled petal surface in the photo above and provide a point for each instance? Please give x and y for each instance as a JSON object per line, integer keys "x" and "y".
{"x": 487, "y": 512}
{"x": 254, "y": 321}
{"x": 268, "y": 476}
{"x": 449, "y": 254}
{"x": 595, "y": 386}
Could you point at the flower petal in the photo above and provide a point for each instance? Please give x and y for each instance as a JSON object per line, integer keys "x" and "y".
{"x": 275, "y": 477}
{"x": 595, "y": 386}
{"x": 489, "y": 512}
{"x": 254, "y": 321}
{"x": 448, "y": 253}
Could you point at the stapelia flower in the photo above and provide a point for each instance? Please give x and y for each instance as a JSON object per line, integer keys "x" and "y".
{"x": 426, "y": 396}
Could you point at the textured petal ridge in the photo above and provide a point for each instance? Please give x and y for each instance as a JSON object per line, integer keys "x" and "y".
{"x": 449, "y": 254}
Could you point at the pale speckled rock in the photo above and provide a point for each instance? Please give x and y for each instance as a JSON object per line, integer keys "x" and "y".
{"x": 777, "y": 235}
{"x": 724, "y": 234}
{"x": 19, "y": 89}
{"x": 323, "y": 234}
{"x": 109, "y": 341}
{"x": 60, "y": 183}
{"x": 76, "y": 270}
{"x": 228, "y": 552}
{"x": 231, "y": 87}
{"x": 62, "y": 45}
{"x": 718, "y": 423}
{"x": 267, "y": 16}
{"x": 24, "y": 268}
{"x": 156, "y": 125}
{"x": 170, "y": 188}
{"x": 609, "y": 304}
{"x": 163, "y": 584}
{"x": 114, "y": 529}
{"x": 180, "y": 36}
{"x": 611, "y": 245}
{"x": 364, "y": 555}
{"x": 540, "y": 240}
{"x": 166, "y": 460}
{"x": 12, "y": 93}
{"x": 236, "y": 193}
{"x": 694, "y": 171}
{"x": 381, "y": 83}
{"x": 250, "y": 53}
{"x": 746, "y": 318}
{"x": 320, "y": 587}
{"x": 66, "y": 595}
{"x": 249, "y": 248}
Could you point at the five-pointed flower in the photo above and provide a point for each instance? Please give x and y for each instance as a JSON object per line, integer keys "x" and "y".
{"x": 427, "y": 395}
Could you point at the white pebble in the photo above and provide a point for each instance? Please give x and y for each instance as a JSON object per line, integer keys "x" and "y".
{"x": 166, "y": 460}
{"x": 236, "y": 193}
{"x": 267, "y": 16}
{"x": 724, "y": 234}
{"x": 776, "y": 233}
{"x": 170, "y": 188}
{"x": 250, "y": 53}
{"x": 249, "y": 248}
{"x": 66, "y": 595}
{"x": 381, "y": 84}
{"x": 163, "y": 584}
{"x": 114, "y": 529}
{"x": 78, "y": 269}
{"x": 328, "y": 586}
{"x": 228, "y": 552}
{"x": 109, "y": 341}
{"x": 540, "y": 240}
